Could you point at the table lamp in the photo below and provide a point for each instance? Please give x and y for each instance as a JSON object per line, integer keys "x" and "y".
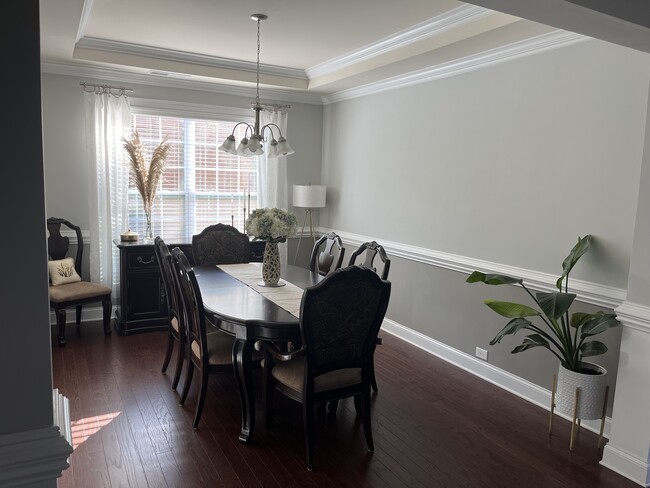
{"x": 308, "y": 197}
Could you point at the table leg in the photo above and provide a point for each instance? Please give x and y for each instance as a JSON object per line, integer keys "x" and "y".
{"x": 242, "y": 353}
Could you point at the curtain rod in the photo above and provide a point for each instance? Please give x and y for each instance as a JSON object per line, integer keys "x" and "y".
{"x": 105, "y": 89}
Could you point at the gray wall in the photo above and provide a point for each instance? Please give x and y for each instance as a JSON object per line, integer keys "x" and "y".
{"x": 506, "y": 164}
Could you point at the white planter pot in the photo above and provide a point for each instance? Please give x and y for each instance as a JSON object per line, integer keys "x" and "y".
{"x": 591, "y": 392}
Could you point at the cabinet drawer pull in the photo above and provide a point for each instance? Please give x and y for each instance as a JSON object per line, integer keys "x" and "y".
{"x": 142, "y": 261}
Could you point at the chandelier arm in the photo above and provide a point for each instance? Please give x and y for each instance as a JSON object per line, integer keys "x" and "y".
{"x": 268, "y": 126}
{"x": 248, "y": 126}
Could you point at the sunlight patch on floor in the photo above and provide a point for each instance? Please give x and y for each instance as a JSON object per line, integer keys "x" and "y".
{"x": 82, "y": 429}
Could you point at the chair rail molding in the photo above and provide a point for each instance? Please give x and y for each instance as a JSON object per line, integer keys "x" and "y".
{"x": 588, "y": 292}
{"x": 37, "y": 455}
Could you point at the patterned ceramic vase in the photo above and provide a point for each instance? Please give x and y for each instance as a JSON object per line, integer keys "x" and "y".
{"x": 271, "y": 264}
{"x": 591, "y": 396}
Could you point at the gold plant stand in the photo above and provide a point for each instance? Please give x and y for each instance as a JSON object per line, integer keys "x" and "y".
{"x": 575, "y": 422}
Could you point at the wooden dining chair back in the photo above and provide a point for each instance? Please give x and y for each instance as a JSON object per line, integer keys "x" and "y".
{"x": 339, "y": 321}
{"x": 176, "y": 333}
{"x": 327, "y": 254}
{"x": 67, "y": 289}
{"x": 209, "y": 353}
{"x": 220, "y": 244}
{"x": 370, "y": 251}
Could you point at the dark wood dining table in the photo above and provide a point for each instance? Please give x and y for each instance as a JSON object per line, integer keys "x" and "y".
{"x": 243, "y": 312}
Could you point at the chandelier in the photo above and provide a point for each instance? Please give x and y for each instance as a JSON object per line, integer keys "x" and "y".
{"x": 251, "y": 145}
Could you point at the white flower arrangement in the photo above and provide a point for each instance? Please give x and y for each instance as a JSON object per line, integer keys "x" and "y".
{"x": 271, "y": 224}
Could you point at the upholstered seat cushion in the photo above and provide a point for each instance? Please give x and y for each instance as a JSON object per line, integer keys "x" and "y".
{"x": 77, "y": 291}
{"x": 292, "y": 374}
{"x": 175, "y": 323}
{"x": 219, "y": 348}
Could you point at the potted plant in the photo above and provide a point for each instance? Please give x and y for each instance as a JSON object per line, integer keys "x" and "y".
{"x": 272, "y": 225}
{"x": 568, "y": 337}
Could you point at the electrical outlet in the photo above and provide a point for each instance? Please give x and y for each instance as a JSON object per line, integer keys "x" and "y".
{"x": 482, "y": 354}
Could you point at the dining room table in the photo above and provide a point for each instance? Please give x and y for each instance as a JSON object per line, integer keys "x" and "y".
{"x": 236, "y": 301}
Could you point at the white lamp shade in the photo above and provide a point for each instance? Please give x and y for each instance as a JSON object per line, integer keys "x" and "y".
{"x": 309, "y": 196}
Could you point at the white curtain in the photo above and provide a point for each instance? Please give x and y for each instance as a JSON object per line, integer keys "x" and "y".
{"x": 272, "y": 173}
{"x": 108, "y": 121}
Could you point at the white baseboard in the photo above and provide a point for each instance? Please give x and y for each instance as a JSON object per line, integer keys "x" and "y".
{"x": 497, "y": 376}
{"x": 88, "y": 314}
{"x": 626, "y": 464}
{"x": 39, "y": 455}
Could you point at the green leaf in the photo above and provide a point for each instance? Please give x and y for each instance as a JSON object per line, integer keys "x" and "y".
{"x": 511, "y": 310}
{"x": 533, "y": 340}
{"x": 599, "y": 323}
{"x": 579, "y": 319}
{"x": 555, "y": 304}
{"x": 570, "y": 261}
{"x": 512, "y": 327}
{"x": 593, "y": 348}
{"x": 492, "y": 279}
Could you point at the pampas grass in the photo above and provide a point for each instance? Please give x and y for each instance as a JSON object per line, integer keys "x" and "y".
{"x": 146, "y": 178}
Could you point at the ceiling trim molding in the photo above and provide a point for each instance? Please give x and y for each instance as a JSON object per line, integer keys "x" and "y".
{"x": 452, "y": 19}
{"x": 124, "y": 77}
{"x": 491, "y": 57}
{"x": 127, "y": 48}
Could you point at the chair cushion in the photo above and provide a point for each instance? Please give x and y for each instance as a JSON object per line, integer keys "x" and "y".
{"x": 77, "y": 291}
{"x": 62, "y": 271}
{"x": 175, "y": 323}
{"x": 292, "y": 374}
{"x": 219, "y": 348}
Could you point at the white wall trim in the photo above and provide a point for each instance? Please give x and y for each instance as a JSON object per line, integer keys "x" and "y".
{"x": 452, "y": 19}
{"x": 128, "y": 77}
{"x": 634, "y": 316}
{"x": 625, "y": 464}
{"x": 484, "y": 370}
{"x": 32, "y": 456}
{"x": 593, "y": 293}
{"x": 490, "y": 57}
{"x": 88, "y": 314}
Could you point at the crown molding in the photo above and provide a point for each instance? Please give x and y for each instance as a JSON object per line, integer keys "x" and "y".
{"x": 588, "y": 292}
{"x": 140, "y": 50}
{"x": 452, "y": 19}
{"x": 491, "y": 57}
{"x": 120, "y": 76}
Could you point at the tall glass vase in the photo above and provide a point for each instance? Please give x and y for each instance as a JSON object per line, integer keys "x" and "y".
{"x": 271, "y": 264}
{"x": 148, "y": 231}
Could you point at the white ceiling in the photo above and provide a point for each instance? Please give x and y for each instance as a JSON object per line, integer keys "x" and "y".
{"x": 318, "y": 47}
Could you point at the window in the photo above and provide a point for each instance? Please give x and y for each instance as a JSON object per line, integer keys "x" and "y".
{"x": 200, "y": 185}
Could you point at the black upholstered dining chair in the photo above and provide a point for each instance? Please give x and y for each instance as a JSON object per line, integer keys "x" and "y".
{"x": 339, "y": 321}
{"x": 67, "y": 289}
{"x": 209, "y": 353}
{"x": 220, "y": 244}
{"x": 176, "y": 325}
{"x": 370, "y": 250}
{"x": 327, "y": 254}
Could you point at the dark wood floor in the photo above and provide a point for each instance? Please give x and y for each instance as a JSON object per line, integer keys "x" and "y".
{"x": 434, "y": 426}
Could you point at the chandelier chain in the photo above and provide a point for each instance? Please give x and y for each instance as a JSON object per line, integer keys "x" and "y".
{"x": 257, "y": 92}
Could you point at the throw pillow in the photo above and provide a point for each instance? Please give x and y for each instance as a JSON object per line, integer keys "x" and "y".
{"x": 62, "y": 271}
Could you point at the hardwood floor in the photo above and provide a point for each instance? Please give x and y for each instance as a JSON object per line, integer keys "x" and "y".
{"x": 434, "y": 425}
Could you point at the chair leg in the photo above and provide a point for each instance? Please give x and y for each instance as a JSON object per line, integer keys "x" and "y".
{"x": 168, "y": 352}
{"x": 268, "y": 388}
{"x": 373, "y": 380}
{"x": 188, "y": 381}
{"x": 180, "y": 357}
{"x": 308, "y": 419}
{"x": 60, "y": 325}
{"x": 357, "y": 405}
{"x": 367, "y": 427}
{"x": 78, "y": 317}
{"x": 201, "y": 401}
{"x": 107, "y": 307}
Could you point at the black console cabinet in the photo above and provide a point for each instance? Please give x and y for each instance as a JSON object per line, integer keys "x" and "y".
{"x": 143, "y": 306}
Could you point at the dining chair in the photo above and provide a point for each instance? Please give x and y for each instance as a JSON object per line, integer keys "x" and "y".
{"x": 67, "y": 289}
{"x": 209, "y": 353}
{"x": 220, "y": 244}
{"x": 370, "y": 250}
{"x": 339, "y": 321}
{"x": 327, "y": 254}
{"x": 176, "y": 326}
